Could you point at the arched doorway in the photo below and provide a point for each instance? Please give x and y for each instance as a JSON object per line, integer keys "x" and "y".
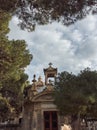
{"x": 50, "y": 120}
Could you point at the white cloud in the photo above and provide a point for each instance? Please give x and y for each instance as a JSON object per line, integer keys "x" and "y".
{"x": 69, "y": 48}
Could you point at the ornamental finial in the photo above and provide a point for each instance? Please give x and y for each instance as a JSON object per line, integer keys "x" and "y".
{"x": 34, "y": 78}
{"x": 50, "y": 64}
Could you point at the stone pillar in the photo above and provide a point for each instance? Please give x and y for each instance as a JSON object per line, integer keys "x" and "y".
{"x": 34, "y": 120}
{"x": 27, "y": 117}
{"x": 39, "y": 120}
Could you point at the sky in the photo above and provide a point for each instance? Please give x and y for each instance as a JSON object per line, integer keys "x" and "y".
{"x": 71, "y": 48}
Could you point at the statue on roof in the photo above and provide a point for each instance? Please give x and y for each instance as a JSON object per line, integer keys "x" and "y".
{"x": 34, "y": 87}
{"x": 39, "y": 82}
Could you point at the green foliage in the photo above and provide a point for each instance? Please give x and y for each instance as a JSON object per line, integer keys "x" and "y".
{"x": 14, "y": 57}
{"x": 77, "y": 94}
{"x": 4, "y": 20}
{"x": 13, "y": 91}
{"x": 4, "y": 44}
{"x": 8, "y": 5}
{"x": 42, "y": 12}
{"x": 33, "y": 12}
{"x": 4, "y": 108}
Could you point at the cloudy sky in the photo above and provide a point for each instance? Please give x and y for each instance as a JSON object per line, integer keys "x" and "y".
{"x": 70, "y": 48}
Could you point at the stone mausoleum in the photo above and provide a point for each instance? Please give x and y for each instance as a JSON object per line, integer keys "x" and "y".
{"x": 40, "y": 112}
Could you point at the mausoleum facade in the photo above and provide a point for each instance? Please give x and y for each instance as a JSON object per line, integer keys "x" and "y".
{"x": 40, "y": 112}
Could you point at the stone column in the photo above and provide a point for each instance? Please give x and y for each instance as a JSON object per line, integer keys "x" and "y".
{"x": 34, "y": 120}
{"x": 27, "y": 117}
{"x": 39, "y": 120}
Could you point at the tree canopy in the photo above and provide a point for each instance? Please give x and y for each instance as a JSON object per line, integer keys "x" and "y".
{"x": 4, "y": 108}
{"x": 14, "y": 57}
{"x": 77, "y": 94}
{"x": 33, "y": 12}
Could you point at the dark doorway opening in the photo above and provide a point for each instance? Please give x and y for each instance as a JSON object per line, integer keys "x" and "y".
{"x": 50, "y": 120}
